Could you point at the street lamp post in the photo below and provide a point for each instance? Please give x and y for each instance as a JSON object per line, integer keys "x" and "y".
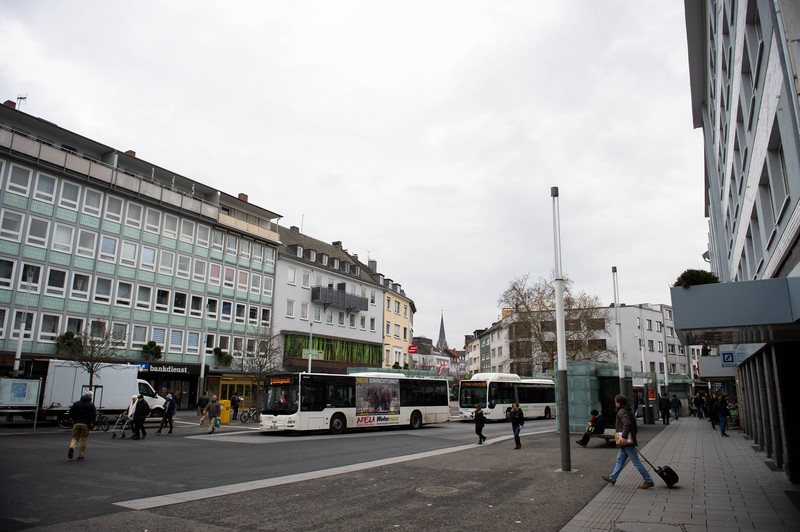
{"x": 23, "y": 323}
{"x": 563, "y": 404}
{"x": 310, "y": 344}
{"x": 647, "y": 417}
{"x": 620, "y": 363}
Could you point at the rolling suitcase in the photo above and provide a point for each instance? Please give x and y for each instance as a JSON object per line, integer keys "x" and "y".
{"x": 667, "y": 474}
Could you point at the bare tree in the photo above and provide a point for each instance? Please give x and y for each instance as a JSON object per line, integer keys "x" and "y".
{"x": 101, "y": 343}
{"x": 531, "y": 317}
{"x": 264, "y": 357}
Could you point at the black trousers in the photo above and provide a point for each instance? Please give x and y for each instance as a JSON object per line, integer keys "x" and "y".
{"x": 138, "y": 428}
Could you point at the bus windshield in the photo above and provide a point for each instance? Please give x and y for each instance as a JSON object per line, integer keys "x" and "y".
{"x": 471, "y": 394}
{"x": 281, "y": 399}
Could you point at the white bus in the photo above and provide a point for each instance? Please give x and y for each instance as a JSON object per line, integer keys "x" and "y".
{"x": 318, "y": 401}
{"x": 496, "y": 392}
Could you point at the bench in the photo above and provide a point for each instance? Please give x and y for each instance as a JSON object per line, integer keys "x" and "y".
{"x": 608, "y": 437}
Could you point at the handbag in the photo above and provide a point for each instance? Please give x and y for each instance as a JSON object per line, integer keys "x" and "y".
{"x": 622, "y": 442}
{"x": 217, "y": 422}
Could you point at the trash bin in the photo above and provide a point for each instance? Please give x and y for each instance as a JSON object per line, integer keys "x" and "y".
{"x": 225, "y": 413}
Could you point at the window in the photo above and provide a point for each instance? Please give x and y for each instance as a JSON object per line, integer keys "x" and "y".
{"x": 396, "y": 331}
{"x": 372, "y": 324}
{"x": 268, "y": 282}
{"x": 649, "y": 324}
{"x": 372, "y": 297}
{"x": 148, "y": 259}
{"x": 388, "y": 329}
{"x": 214, "y": 273}
{"x": 152, "y": 221}
{"x": 30, "y": 279}
{"x": 203, "y": 235}
{"x": 230, "y": 274}
{"x": 239, "y": 317}
{"x": 212, "y": 308}
{"x": 291, "y": 275}
{"x": 232, "y": 246}
{"x": 133, "y": 218}
{"x": 45, "y": 188}
{"x": 62, "y": 238}
{"x": 397, "y": 307}
{"x": 3, "y": 312}
{"x": 227, "y": 311}
{"x": 113, "y": 209}
{"x": 162, "y": 300}
{"x": 306, "y": 279}
{"x": 363, "y": 323}
{"x": 124, "y": 293}
{"x": 192, "y": 342}
{"x": 108, "y": 248}
{"x": 659, "y": 326}
{"x": 353, "y": 321}
{"x": 160, "y": 336}
{"x": 317, "y": 313}
{"x": 19, "y": 180}
{"x": 405, "y": 311}
{"x": 92, "y": 202}
{"x": 650, "y": 345}
{"x": 269, "y": 255}
{"x": 139, "y": 336}
{"x": 23, "y": 322}
{"x": 341, "y": 318}
{"x": 218, "y": 239}
{"x": 167, "y": 263}
{"x": 258, "y": 251}
{"x": 329, "y": 317}
{"x": 660, "y": 346}
{"x": 196, "y": 307}
{"x": 70, "y": 195}
{"x": 255, "y": 283}
{"x": 289, "y": 308}
{"x": 87, "y": 241}
{"x": 49, "y": 327}
{"x": 38, "y": 231}
{"x": 6, "y": 272}
{"x": 102, "y": 290}
{"x": 97, "y": 328}
{"x": 80, "y": 286}
{"x": 179, "y": 301}
{"x": 170, "y": 226}
{"x": 128, "y": 253}
{"x": 119, "y": 333}
{"x": 244, "y": 280}
{"x": 199, "y": 270}
{"x": 175, "y": 341}
{"x": 187, "y": 231}
{"x": 244, "y": 249}
{"x": 184, "y": 266}
{"x": 304, "y": 310}
{"x": 75, "y": 325}
{"x": 266, "y": 314}
{"x": 56, "y": 283}
{"x": 388, "y": 303}
{"x": 10, "y": 225}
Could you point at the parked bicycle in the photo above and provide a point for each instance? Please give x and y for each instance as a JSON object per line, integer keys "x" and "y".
{"x": 251, "y": 414}
{"x": 64, "y": 421}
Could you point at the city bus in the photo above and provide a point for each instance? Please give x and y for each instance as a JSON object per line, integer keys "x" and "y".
{"x": 496, "y": 392}
{"x": 318, "y": 401}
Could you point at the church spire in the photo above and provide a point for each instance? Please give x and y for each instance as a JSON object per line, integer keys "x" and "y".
{"x": 441, "y": 343}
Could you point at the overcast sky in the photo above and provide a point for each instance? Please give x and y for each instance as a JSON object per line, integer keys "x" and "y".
{"x": 425, "y": 135}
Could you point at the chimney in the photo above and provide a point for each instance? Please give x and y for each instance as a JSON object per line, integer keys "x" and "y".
{"x": 372, "y": 265}
{"x": 294, "y": 229}
{"x": 130, "y": 153}
{"x": 355, "y": 257}
{"x": 10, "y": 104}
{"x": 243, "y": 197}
{"x": 337, "y": 244}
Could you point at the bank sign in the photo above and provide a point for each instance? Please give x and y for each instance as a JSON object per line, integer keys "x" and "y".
{"x": 167, "y": 369}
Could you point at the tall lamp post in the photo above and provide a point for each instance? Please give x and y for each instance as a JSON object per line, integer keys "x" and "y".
{"x": 563, "y": 404}
{"x": 620, "y": 364}
{"x": 310, "y": 344}
{"x": 648, "y": 418}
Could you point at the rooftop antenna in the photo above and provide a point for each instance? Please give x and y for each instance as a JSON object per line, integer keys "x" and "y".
{"x": 22, "y": 98}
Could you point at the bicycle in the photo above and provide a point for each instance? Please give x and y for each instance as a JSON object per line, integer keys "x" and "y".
{"x": 251, "y": 414}
{"x": 100, "y": 421}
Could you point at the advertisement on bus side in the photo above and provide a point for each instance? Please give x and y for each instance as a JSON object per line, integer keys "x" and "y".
{"x": 377, "y": 401}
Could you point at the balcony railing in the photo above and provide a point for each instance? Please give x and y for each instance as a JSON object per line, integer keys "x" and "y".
{"x": 338, "y": 298}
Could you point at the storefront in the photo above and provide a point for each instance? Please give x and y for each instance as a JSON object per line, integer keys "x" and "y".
{"x": 178, "y": 379}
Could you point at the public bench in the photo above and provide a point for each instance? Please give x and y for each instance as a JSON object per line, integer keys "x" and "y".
{"x": 608, "y": 437}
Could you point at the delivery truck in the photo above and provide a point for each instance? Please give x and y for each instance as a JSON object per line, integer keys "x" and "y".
{"x": 113, "y": 386}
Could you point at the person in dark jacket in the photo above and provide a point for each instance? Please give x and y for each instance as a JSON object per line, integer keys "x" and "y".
{"x": 140, "y": 413}
{"x": 722, "y": 414}
{"x": 480, "y": 421}
{"x": 626, "y": 426}
{"x": 83, "y": 413}
{"x": 664, "y": 406}
{"x": 202, "y": 404}
{"x": 517, "y": 420}
{"x": 595, "y": 426}
{"x": 712, "y": 411}
{"x": 676, "y": 405}
{"x": 235, "y": 402}
{"x": 170, "y": 407}
{"x": 699, "y": 406}
{"x": 214, "y": 409}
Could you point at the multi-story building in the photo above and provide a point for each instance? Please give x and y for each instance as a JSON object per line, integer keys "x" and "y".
{"x": 743, "y": 65}
{"x": 398, "y": 317}
{"x": 96, "y": 241}
{"x": 472, "y": 350}
{"x": 326, "y": 297}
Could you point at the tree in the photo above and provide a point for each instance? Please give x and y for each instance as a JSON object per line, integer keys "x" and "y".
{"x": 692, "y": 277}
{"x": 264, "y": 358}
{"x": 95, "y": 347}
{"x": 531, "y": 319}
{"x": 151, "y": 351}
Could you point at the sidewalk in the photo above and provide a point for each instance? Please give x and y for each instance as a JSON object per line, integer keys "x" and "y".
{"x": 724, "y": 485}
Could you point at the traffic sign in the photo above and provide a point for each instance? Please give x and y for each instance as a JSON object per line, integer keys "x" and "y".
{"x": 412, "y": 348}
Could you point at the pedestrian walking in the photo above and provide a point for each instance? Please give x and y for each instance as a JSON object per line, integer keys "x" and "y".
{"x": 626, "y": 426}
{"x": 595, "y": 426}
{"x": 699, "y": 405}
{"x": 214, "y": 409}
{"x": 722, "y": 414}
{"x": 170, "y": 408}
{"x": 664, "y": 406}
{"x": 140, "y": 414}
{"x": 517, "y": 420}
{"x": 235, "y": 401}
{"x": 676, "y": 406}
{"x": 480, "y": 421}
{"x": 83, "y": 413}
{"x": 202, "y": 404}
{"x": 712, "y": 412}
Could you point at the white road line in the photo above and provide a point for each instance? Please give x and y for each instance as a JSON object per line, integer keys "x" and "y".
{"x": 230, "y": 489}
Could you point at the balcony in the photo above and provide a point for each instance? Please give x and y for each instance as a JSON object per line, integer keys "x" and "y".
{"x": 338, "y": 298}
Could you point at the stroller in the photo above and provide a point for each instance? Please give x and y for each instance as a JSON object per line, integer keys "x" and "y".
{"x": 124, "y": 422}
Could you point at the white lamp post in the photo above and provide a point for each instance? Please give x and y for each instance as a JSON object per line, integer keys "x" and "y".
{"x": 563, "y": 403}
{"x": 620, "y": 364}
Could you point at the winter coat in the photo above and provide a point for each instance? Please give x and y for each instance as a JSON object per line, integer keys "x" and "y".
{"x": 203, "y": 402}
{"x": 214, "y": 409}
{"x": 626, "y": 423}
{"x": 675, "y": 403}
{"x": 663, "y": 403}
{"x": 142, "y": 410}
{"x": 517, "y": 417}
{"x": 480, "y": 419}
{"x": 83, "y": 411}
{"x": 169, "y": 407}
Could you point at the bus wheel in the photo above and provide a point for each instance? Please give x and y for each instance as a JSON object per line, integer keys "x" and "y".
{"x": 547, "y": 413}
{"x": 416, "y": 420}
{"x": 338, "y": 424}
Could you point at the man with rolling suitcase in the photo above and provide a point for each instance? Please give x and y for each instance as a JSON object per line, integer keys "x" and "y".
{"x": 626, "y": 441}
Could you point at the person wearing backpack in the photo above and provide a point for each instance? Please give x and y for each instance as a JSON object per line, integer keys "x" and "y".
{"x": 170, "y": 408}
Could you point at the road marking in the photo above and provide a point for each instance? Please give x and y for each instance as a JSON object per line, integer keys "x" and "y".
{"x": 206, "y": 493}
